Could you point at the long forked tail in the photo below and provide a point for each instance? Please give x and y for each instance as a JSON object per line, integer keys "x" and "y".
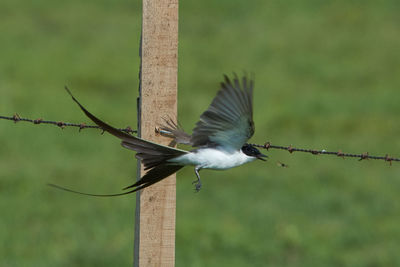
{"x": 153, "y": 156}
{"x": 153, "y": 176}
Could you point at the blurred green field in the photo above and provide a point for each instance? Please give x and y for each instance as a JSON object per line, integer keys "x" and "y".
{"x": 327, "y": 77}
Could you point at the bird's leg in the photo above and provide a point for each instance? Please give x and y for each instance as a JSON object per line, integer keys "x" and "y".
{"x": 197, "y": 182}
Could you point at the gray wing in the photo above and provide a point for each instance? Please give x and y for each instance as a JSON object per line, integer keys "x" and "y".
{"x": 174, "y": 130}
{"x": 228, "y": 121}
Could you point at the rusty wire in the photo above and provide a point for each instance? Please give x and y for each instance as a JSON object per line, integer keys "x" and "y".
{"x": 16, "y": 118}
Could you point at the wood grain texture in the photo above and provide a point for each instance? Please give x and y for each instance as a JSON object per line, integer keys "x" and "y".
{"x": 155, "y": 222}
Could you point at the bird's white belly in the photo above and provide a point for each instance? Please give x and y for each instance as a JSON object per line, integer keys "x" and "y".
{"x": 210, "y": 158}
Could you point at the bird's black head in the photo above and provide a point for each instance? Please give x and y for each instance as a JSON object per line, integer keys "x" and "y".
{"x": 251, "y": 151}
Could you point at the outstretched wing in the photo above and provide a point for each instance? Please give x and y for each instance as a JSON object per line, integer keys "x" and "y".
{"x": 173, "y": 130}
{"x": 228, "y": 121}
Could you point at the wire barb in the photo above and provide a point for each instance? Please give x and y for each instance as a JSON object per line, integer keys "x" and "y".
{"x": 16, "y": 117}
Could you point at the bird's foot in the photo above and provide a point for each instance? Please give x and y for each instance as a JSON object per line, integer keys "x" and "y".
{"x": 197, "y": 185}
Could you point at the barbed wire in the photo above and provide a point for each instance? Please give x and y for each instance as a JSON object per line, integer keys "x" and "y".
{"x": 16, "y": 118}
{"x": 339, "y": 153}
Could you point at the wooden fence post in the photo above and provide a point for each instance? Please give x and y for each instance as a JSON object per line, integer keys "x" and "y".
{"x": 156, "y": 205}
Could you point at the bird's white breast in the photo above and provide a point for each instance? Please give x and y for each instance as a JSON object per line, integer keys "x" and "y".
{"x": 212, "y": 158}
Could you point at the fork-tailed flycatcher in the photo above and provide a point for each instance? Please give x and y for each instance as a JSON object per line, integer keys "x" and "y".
{"x": 219, "y": 138}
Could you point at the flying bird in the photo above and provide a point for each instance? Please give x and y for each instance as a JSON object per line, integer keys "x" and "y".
{"x": 219, "y": 138}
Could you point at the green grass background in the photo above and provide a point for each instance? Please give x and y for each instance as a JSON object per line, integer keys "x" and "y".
{"x": 327, "y": 77}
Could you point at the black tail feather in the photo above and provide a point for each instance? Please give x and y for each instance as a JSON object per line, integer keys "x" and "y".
{"x": 156, "y": 174}
{"x": 148, "y": 151}
{"x": 151, "y": 155}
{"x": 97, "y": 195}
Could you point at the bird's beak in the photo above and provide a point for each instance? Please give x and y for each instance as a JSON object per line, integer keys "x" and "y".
{"x": 261, "y": 157}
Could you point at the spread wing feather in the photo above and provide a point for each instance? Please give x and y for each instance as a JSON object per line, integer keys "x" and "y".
{"x": 229, "y": 119}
